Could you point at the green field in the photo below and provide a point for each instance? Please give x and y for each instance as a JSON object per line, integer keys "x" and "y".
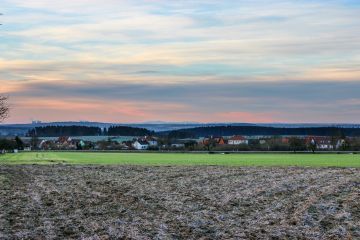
{"x": 161, "y": 159}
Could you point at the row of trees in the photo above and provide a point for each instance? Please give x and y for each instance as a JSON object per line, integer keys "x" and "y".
{"x": 127, "y": 131}
{"x": 11, "y": 144}
{"x": 57, "y": 131}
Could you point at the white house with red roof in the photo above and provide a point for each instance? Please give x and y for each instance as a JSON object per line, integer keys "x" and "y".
{"x": 238, "y": 140}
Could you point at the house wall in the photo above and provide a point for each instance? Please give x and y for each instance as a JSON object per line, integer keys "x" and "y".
{"x": 238, "y": 142}
{"x": 139, "y": 146}
{"x": 153, "y": 143}
{"x": 178, "y": 145}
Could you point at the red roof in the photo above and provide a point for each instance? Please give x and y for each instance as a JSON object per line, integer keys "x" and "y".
{"x": 318, "y": 139}
{"x": 63, "y": 139}
{"x": 237, "y": 138}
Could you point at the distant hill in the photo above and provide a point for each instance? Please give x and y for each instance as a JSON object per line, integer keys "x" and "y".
{"x": 57, "y": 131}
{"x": 22, "y": 129}
{"x": 263, "y": 131}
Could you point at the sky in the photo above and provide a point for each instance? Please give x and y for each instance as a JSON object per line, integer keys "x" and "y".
{"x": 185, "y": 60}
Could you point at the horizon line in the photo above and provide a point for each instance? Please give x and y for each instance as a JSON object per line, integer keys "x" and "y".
{"x": 185, "y": 122}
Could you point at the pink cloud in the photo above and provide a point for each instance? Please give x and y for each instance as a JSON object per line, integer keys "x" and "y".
{"x": 94, "y": 110}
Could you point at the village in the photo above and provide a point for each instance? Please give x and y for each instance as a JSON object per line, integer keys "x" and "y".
{"x": 156, "y": 143}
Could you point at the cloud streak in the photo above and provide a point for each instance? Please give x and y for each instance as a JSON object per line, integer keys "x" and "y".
{"x": 262, "y": 101}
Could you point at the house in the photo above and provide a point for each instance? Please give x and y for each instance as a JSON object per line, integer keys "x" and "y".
{"x": 238, "y": 140}
{"x": 44, "y": 144}
{"x": 27, "y": 149}
{"x": 214, "y": 140}
{"x": 124, "y": 146}
{"x": 220, "y": 140}
{"x": 285, "y": 140}
{"x": 151, "y": 141}
{"x": 340, "y": 143}
{"x": 141, "y": 145}
{"x": 127, "y": 145}
{"x": 64, "y": 140}
{"x": 177, "y": 144}
{"x": 322, "y": 143}
{"x": 65, "y": 143}
{"x": 262, "y": 141}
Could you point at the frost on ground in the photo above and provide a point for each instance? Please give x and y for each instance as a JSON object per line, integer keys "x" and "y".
{"x": 112, "y": 202}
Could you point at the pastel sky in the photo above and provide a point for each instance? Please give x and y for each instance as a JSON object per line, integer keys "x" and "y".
{"x": 184, "y": 60}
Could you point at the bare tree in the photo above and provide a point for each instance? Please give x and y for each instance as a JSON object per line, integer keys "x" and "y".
{"x": 4, "y": 108}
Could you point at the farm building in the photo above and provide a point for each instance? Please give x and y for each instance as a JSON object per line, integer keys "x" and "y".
{"x": 141, "y": 145}
{"x": 216, "y": 140}
{"x": 151, "y": 141}
{"x": 322, "y": 143}
{"x": 177, "y": 144}
{"x": 238, "y": 140}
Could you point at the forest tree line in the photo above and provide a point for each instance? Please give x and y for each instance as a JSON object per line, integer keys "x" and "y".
{"x": 262, "y": 131}
{"x": 58, "y": 131}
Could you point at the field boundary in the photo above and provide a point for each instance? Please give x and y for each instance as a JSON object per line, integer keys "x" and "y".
{"x": 199, "y": 152}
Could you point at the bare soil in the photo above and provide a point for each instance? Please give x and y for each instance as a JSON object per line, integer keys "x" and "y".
{"x": 134, "y": 202}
